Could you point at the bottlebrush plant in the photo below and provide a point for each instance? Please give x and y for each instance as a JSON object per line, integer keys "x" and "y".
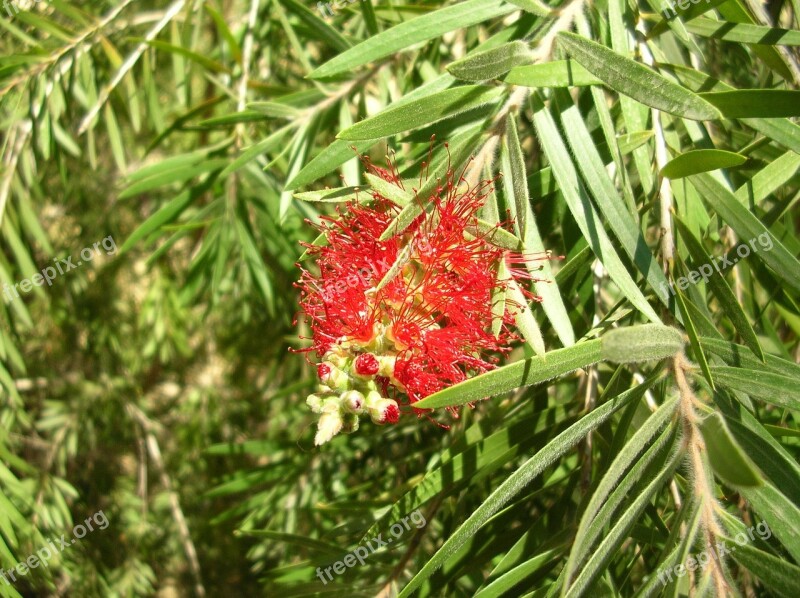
{"x": 621, "y": 422}
{"x": 397, "y": 319}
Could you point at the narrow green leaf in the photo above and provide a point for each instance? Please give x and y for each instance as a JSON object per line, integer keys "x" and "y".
{"x": 407, "y": 34}
{"x": 204, "y": 61}
{"x": 515, "y": 179}
{"x": 558, "y": 73}
{"x": 635, "y": 80}
{"x": 775, "y": 389}
{"x": 720, "y": 288}
{"x": 703, "y": 160}
{"x": 617, "y": 214}
{"x": 392, "y": 192}
{"x": 743, "y": 32}
{"x": 321, "y": 30}
{"x": 523, "y": 476}
{"x": 645, "y": 342}
{"x": 333, "y": 156}
{"x": 495, "y": 235}
{"x": 689, "y": 317}
{"x": 619, "y": 529}
{"x": 540, "y": 9}
{"x": 726, "y": 457}
{"x": 172, "y": 176}
{"x": 769, "y": 179}
{"x": 525, "y": 320}
{"x": 777, "y": 574}
{"x": 165, "y": 214}
{"x": 274, "y": 109}
{"x": 748, "y": 227}
{"x": 755, "y": 103}
{"x": 492, "y": 63}
{"x": 602, "y": 506}
{"x": 582, "y": 209}
{"x": 337, "y": 195}
{"x": 523, "y": 373}
{"x": 779, "y": 512}
{"x": 396, "y": 119}
{"x": 742, "y": 357}
{"x": 259, "y": 149}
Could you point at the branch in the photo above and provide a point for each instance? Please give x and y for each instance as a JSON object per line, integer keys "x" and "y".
{"x": 177, "y": 513}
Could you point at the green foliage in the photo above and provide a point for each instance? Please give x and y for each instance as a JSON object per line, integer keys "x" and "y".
{"x": 649, "y": 413}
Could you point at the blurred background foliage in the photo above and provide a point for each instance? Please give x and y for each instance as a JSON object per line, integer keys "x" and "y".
{"x": 155, "y": 383}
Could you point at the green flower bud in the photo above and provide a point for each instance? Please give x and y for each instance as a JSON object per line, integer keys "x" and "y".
{"x": 352, "y": 401}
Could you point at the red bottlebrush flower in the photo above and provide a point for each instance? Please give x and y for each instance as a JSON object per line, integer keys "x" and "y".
{"x": 427, "y": 327}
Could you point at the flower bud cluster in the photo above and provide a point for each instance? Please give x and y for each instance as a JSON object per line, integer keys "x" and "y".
{"x": 348, "y": 389}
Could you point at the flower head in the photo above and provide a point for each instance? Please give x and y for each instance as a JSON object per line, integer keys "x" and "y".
{"x": 396, "y": 320}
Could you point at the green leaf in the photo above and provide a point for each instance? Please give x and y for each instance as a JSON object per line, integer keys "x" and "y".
{"x": 164, "y": 215}
{"x": 689, "y": 318}
{"x": 337, "y": 195}
{"x": 740, "y": 356}
{"x": 259, "y": 149}
{"x": 720, "y": 288}
{"x": 523, "y": 476}
{"x": 535, "y": 7}
{"x": 755, "y": 103}
{"x": 726, "y": 457}
{"x": 635, "y": 80}
{"x": 490, "y": 64}
{"x": 679, "y": 14}
{"x": 748, "y": 227}
{"x": 615, "y": 484}
{"x": 515, "y": 179}
{"x": 582, "y": 209}
{"x": 523, "y": 373}
{"x": 524, "y": 318}
{"x": 274, "y": 109}
{"x": 777, "y": 574}
{"x": 775, "y": 389}
{"x": 495, "y": 234}
{"x": 782, "y": 516}
{"x": 645, "y": 342}
{"x": 617, "y": 214}
{"x": 614, "y": 538}
{"x": 321, "y": 30}
{"x": 481, "y": 455}
{"x": 204, "y": 61}
{"x": 392, "y": 192}
{"x": 340, "y": 151}
{"x": 743, "y": 32}
{"x": 769, "y": 179}
{"x": 506, "y": 582}
{"x": 333, "y": 156}
{"x": 558, "y": 73}
{"x": 396, "y": 119}
{"x": 414, "y": 31}
{"x": 703, "y": 160}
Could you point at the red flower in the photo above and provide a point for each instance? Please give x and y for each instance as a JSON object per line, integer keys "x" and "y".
{"x": 429, "y": 326}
